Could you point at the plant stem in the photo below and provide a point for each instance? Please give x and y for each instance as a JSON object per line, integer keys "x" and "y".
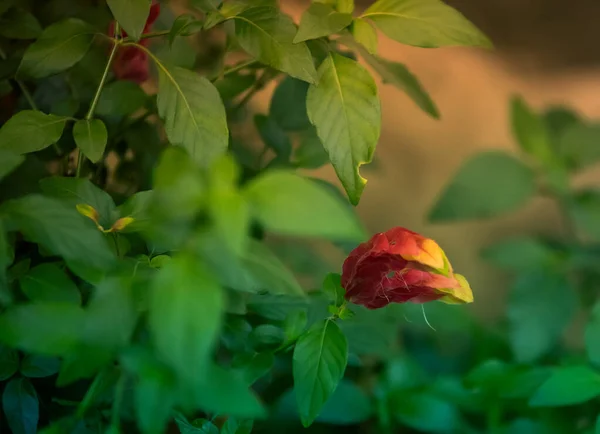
{"x": 237, "y": 67}
{"x": 90, "y": 113}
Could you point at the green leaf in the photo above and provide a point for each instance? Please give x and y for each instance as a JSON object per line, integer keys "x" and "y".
{"x": 154, "y": 390}
{"x": 21, "y": 407}
{"x": 425, "y": 23}
{"x": 365, "y": 34}
{"x": 76, "y": 191}
{"x": 348, "y": 405}
{"x": 567, "y": 386}
{"x": 193, "y": 113}
{"x": 578, "y": 144}
{"x": 520, "y": 254}
{"x": 332, "y": 286}
{"x": 426, "y": 412}
{"x": 9, "y": 362}
{"x": 275, "y": 307}
{"x": 253, "y": 366}
{"x": 137, "y": 207}
{"x": 289, "y": 204}
{"x": 321, "y": 20}
{"x": 266, "y": 34}
{"x": 530, "y": 131}
{"x": 584, "y": 210}
{"x": 266, "y": 337}
{"x": 48, "y": 328}
{"x": 184, "y": 25}
{"x": 541, "y": 305}
{"x": 310, "y": 154}
{"x": 592, "y": 336}
{"x": 131, "y": 14}
{"x": 476, "y": 191}
{"x": 91, "y": 138}
{"x": 234, "y": 84}
{"x": 186, "y": 307}
{"x": 120, "y": 98}
{"x": 36, "y": 366}
{"x": 237, "y": 426}
{"x": 273, "y": 136}
{"x": 59, "y": 47}
{"x": 31, "y": 131}
{"x": 19, "y": 24}
{"x": 288, "y": 104}
{"x": 61, "y": 230}
{"x": 294, "y": 325}
{"x": 398, "y": 75}
{"x": 9, "y": 161}
{"x": 320, "y": 359}
{"x": 345, "y": 108}
{"x": 49, "y": 283}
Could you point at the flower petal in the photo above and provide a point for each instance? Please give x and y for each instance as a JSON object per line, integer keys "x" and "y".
{"x": 462, "y": 294}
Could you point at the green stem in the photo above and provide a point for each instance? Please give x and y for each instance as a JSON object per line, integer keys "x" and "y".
{"x": 90, "y": 113}
{"x": 237, "y": 67}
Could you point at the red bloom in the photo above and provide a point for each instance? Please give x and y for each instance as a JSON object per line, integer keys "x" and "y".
{"x": 401, "y": 266}
{"x": 131, "y": 63}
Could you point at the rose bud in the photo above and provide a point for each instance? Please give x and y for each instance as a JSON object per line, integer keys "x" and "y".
{"x": 400, "y": 266}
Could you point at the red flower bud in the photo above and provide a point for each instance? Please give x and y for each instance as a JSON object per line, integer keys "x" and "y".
{"x": 401, "y": 266}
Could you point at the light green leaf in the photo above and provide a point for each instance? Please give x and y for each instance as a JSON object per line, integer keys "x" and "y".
{"x": 530, "y": 131}
{"x": 75, "y": 191}
{"x": 49, "y": 283}
{"x": 541, "y": 305}
{"x": 48, "y": 328}
{"x": 321, "y": 20}
{"x": 36, "y": 366}
{"x": 137, "y": 207}
{"x": 332, "y": 286}
{"x": 289, "y": 204}
{"x": 426, "y": 412}
{"x": 91, "y": 138}
{"x": 288, "y": 105}
{"x": 21, "y": 407}
{"x": 345, "y": 108}
{"x": 59, "y": 47}
{"x": 19, "y": 24}
{"x": 31, "y": 131}
{"x": 567, "y": 386}
{"x": 320, "y": 359}
{"x": 592, "y": 336}
{"x": 9, "y": 362}
{"x": 193, "y": 113}
{"x": 294, "y": 325}
{"x": 266, "y": 34}
{"x": 425, "y": 23}
{"x": 487, "y": 185}
{"x": 186, "y": 307}
{"x": 61, "y": 230}
{"x": 131, "y": 14}
{"x": 9, "y": 161}
{"x": 365, "y": 34}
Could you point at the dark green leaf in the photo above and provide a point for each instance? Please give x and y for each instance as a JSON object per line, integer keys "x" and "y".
{"x": 91, "y": 138}
{"x": 237, "y": 426}
{"x": 186, "y": 307}
{"x": 193, "y": 113}
{"x": 345, "y": 108}
{"x": 273, "y": 136}
{"x": 49, "y": 283}
{"x": 49, "y": 328}
{"x": 585, "y": 210}
{"x": 266, "y": 336}
{"x": 59, "y": 47}
{"x": 520, "y": 254}
{"x": 320, "y": 359}
{"x": 234, "y": 84}
{"x": 332, "y": 286}
{"x": 310, "y": 154}
{"x": 288, "y": 104}
{"x": 530, "y": 131}
{"x": 567, "y": 386}
{"x": 365, "y": 34}
{"x": 592, "y": 336}
{"x": 76, "y": 191}
{"x": 19, "y": 24}
{"x": 579, "y": 144}
{"x": 36, "y": 366}
{"x": 275, "y": 307}
{"x": 131, "y": 14}
{"x": 253, "y": 366}
{"x": 321, "y": 20}
{"x": 31, "y": 131}
{"x": 289, "y": 204}
{"x": 348, "y": 405}
{"x": 120, "y": 98}
{"x": 541, "y": 305}
{"x": 427, "y": 413}
{"x": 487, "y": 185}
{"x": 21, "y": 407}
{"x": 61, "y": 230}
{"x": 266, "y": 34}
{"x": 9, "y": 161}
{"x": 184, "y": 25}
{"x": 424, "y": 23}
{"x": 9, "y": 362}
